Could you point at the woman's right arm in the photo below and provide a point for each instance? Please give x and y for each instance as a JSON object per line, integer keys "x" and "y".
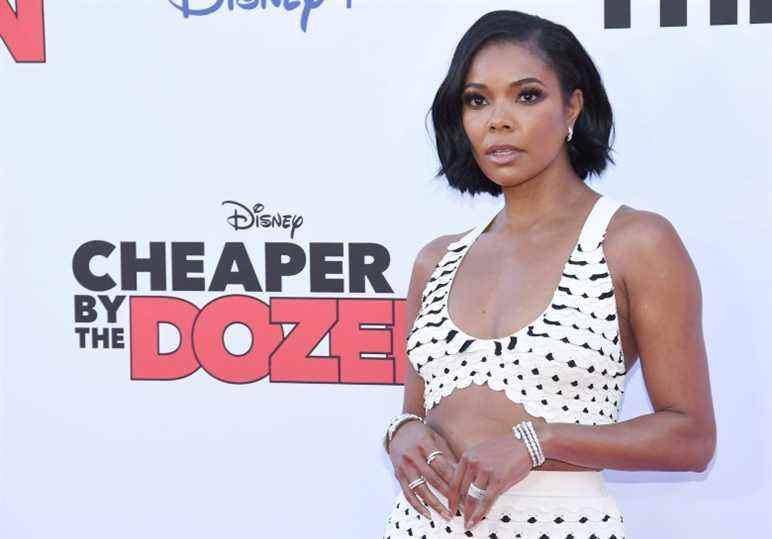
{"x": 425, "y": 261}
{"x": 413, "y": 441}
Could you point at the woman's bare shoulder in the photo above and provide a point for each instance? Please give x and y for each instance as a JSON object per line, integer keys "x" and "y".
{"x": 427, "y": 259}
{"x": 433, "y": 251}
{"x": 636, "y": 239}
{"x": 634, "y": 229}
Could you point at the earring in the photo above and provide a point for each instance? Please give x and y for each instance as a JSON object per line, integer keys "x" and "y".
{"x": 570, "y": 133}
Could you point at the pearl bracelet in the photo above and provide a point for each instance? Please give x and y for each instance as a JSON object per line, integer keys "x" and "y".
{"x": 394, "y": 424}
{"x": 525, "y": 432}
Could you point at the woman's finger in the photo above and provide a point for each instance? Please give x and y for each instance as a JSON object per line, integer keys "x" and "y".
{"x": 446, "y": 463}
{"x": 455, "y": 486}
{"x": 432, "y": 476}
{"x": 445, "y": 448}
{"x": 482, "y": 508}
{"x": 410, "y": 494}
{"x": 442, "y": 470}
{"x": 463, "y": 487}
{"x": 426, "y": 494}
{"x": 480, "y": 480}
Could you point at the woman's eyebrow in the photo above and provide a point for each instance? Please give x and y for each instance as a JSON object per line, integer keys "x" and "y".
{"x": 515, "y": 83}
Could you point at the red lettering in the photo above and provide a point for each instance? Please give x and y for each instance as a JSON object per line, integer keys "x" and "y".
{"x": 314, "y": 318}
{"x": 399, "y": 341}
{"x": 348, "y": 340}
{"x": 147, "y": 363}
{"x": 209, "y": 345}
{"x": 285, "y": 359}
{"x": 23, "y": 31}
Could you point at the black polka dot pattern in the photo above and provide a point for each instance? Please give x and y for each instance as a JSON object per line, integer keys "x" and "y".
{"x": 529, "y": 517}
{"x": 566, "y": 366}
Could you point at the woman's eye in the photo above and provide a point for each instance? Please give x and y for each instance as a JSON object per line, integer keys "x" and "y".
{"x": 475, "y": 100}
{"x": 532, "y": 91}
{"x": 470, "y": 99}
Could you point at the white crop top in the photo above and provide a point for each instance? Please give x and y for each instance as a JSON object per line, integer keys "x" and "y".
{"x": 565, "y": 366}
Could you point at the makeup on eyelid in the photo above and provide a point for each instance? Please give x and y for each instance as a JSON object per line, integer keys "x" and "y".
{"x": 536, "y": 92}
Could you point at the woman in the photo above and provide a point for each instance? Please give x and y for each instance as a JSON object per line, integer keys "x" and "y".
{"x": 509, "y": 416}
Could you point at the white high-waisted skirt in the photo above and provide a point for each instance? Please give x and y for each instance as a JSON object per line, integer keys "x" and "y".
{"x": 543, "y": 505}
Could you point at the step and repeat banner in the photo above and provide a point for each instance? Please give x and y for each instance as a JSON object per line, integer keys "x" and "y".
{"x": 210, "y": 211}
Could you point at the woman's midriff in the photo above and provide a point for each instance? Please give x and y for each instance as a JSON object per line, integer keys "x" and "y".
{"x": 477, "y": 413}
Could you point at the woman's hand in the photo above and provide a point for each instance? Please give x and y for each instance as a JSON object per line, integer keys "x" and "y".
{"x": 409, "y": 449}
{"x": 494, "y": 465}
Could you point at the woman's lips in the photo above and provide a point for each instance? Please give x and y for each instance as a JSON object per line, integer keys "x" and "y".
{"x": 503, "y": 157}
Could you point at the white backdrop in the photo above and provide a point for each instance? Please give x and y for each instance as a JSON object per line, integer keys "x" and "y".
{"x": 142, "y": 122}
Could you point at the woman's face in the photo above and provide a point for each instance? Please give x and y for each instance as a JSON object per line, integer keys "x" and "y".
{"x": 511, "y": 97}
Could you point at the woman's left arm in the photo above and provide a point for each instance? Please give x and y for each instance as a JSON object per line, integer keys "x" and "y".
{"x": 665, "y": 312}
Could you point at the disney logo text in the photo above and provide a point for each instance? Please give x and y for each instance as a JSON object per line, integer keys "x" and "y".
{"x": 288, "y": 5}
{"x": 243, "y": 217}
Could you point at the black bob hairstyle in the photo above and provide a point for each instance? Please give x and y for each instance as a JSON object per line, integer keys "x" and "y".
{"x": 556, "y": 45}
